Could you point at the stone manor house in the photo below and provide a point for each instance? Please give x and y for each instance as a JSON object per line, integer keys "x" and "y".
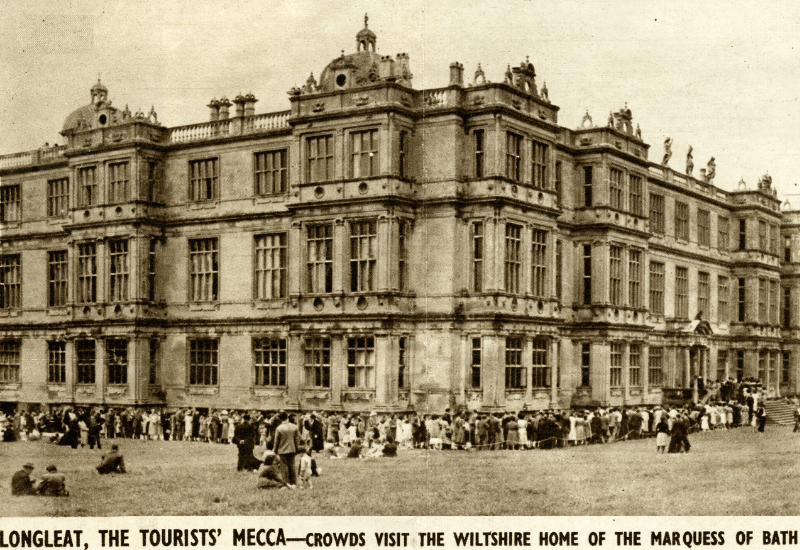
{"x": 378, "y": 247}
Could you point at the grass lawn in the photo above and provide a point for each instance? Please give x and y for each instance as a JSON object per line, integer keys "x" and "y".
{"x": 726, "y": 473}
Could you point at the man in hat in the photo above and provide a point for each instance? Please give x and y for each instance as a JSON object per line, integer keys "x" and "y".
{"x": 244, "y": 435}
{"x": 21, "y": 482}
{"x": 113, "y": 462}
{"x": 53, "y": 483}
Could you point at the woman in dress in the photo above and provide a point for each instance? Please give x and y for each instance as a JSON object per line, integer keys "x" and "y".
{"x": 662, "y": 435}
{"x": 522, "y": 422}
{"x": 512, "y": 437}
{"x": 572, "y": 436}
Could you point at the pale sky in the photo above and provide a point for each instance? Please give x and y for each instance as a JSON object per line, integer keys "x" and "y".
{"x": 722, "y": 77}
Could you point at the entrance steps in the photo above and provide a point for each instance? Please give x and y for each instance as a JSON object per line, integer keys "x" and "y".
{"x": 779, "y": 412}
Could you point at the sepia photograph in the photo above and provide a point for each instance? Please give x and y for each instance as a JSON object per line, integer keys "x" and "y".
{"x": 400, "y": 259}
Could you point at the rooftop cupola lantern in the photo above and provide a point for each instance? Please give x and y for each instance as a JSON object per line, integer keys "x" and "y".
{"x": 366, "y": 39}
{"x": 524, "y": 77}
{"x": 99, "y": 93}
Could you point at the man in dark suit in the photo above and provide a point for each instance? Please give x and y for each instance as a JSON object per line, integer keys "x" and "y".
{"x": 286, "y": 445}
{"x": 679, "y": 440}
{"x": 21, "y": 482}
{"x": 244, "y": 435}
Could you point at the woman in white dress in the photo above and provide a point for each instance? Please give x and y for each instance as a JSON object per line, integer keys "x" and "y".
{"x": 572, "y": 436}
{"x": 523, "y": 431}
{"x": 187, "y": 423}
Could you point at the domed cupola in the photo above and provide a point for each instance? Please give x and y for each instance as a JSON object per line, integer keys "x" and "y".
{"x": 366, "y": 39}
{"x": 98, "y": 114}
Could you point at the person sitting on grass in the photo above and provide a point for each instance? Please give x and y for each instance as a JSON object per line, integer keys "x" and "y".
{"x": 356, "y": 449}
{"x": 270, "y": 475}
{"x": 390, "y": 449}
{"x": 21, "y": 482}
{"x": 113, "y": 462}
{"x": 53, "y": 483}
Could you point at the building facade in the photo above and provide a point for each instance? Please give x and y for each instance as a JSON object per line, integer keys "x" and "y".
{"x": 377, "y": 247}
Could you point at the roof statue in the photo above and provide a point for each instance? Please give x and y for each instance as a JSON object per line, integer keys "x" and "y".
{"x": 711, "y": 170}
{"x": 667, "y": 151}
{"x": 689, "y": 162}
{"x": 638, "y": 132}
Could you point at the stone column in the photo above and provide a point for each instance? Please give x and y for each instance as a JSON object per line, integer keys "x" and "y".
{"x": 338, "y": 369}
{"x": 101, "y": 367}
{"x": 296, "y": 253}
{"x": 463, "y": 380}
{"x": 384, "y": 366}
{"x": 687, "y": 371}
{"x": 645, "y": 374}
{"x": 295, "y": 370}
{"x": 386, "y": 256}
{"x": 70, "y": 367}
{"x": 340, "y": 257}
{"x": 553, "y": 359}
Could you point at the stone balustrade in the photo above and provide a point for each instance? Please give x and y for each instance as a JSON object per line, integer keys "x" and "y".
{"x": 230, "y": 127}
{"x": 45, "y": 155}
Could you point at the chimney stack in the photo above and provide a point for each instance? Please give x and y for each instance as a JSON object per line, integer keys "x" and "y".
{"x": 250, "y": 105}
{"x": 239, "y": 102}
{"x": 214, "y": 106}
{"x": 456, "y": 74}
{"x": 224, "y": 108}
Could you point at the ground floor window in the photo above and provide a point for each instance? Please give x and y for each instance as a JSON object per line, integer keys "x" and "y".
{"x": 515, "y": 372}
{"x": 586, "y": 362}
{"x": 117, "y": 356}
{"x": 85, "y": 361}
{"x": 360, "y": 362}
{"x": 655, "y": 366}
{"x": 203, "y": 362}
{"x": 541, "y": 370}
{"x": 635, "y": 365}
{"x": 615, "y": 378}
{"x": 270, "y": 361}
{"x": 317, "y": 359}
{"x": 57, "y": 362}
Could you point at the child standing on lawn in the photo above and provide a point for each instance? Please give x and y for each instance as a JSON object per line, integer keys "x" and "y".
{"x": 305, "y": 469}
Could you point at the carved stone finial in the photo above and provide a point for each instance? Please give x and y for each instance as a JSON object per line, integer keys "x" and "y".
{"x": 610, "y": 119}
{"x": 366, "y": 20}
{"x": 742, "y": 184}
{"x": 544, "y": 92}
{"x": 587, "y": 121}
{"x": 480, "y": 78}
{"x": 689, "y": 162}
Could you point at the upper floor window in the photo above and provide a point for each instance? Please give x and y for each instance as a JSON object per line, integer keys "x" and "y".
{"x": 773, "y": 303}
{"x": 742, "y": 299}
{"x": 153, "y": 177}
{"x": 271, "y": 172}
{"x": 87, "y": 273}
{"x": 587, "y": 274}
{"x": 477, "y": 256}
{"x": 636, "y": 195}
{"x": 10, "y": 281}
{"x": 363, "y": 245}
{"x": 271, "y": 266}
{"x": 657, "y": 214}
{"x": 477, "y": 359}
{"x": 118, "y": 270}
{"x": 403, "y": 150}
{"x": 365, "y": 154}
{"x": 703, "y": 293}
{"x": 616, "y": 185}
{"x": 587, "y": 185}
{"x": 320, "y": 259}
{"x": 615, "y": 371}
{"x": 87, "y": 186}
{"x": 57, "y": 197}
{"x": 635, "y": 365}
{"x": 402, "y": 375}
{"x": 513, "y": 259}
{"x": 762, "y": 301}
{"x": 539, "y": 165}
{"x": 320, "y": 158}
{"x": 118, "y": 182}
{"x": 270, "y": 361}
{"x": 681, "y": 221}
{"x": 10, "y": 210}
{"x": 681, "y": 292}
{"x": 58, "y": 275}
{"x": 203, "y": 361}
{"x": 9, "y": 361}
{"x": 655, "y": 367}
{"x": 559, "y": 268}
{"x": 635, "y": 278}
{"x": 657, "y": 288}
{"x": 559, "y": 183}
{"x": 360, "y": 362}
{"x": 153, "y": 361}
{"x": 539, "y": 264}
{"x": 204, "y": 270}
{"x": 742, "y": 234}
{"x": 56, "y": 362}
{"x": 402, "y": 256}
{"x": 513, "y": 156}
{"x": 722, "y": 233}
{"x": 203, "y": 180}
{"x": 773, "y": 239}
{"x": 762, "y": 236}
{"x": 479, "y": 151}
{"x": 722, "y": 299}
{"x": 615, "y": 275}
{"x": 586, "y": 364}
{"x": 704, "y": 227}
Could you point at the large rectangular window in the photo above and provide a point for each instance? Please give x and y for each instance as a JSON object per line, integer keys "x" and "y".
{"x": 762, "y": 301}
{"x": 681, "y": 293}
{"x": 363, "y": 258}
{"x": 539, "y": 264}
{"x": 515, "y": 372}
{"x": 152, "y": 361}
{"x": 87, "y": 273}
{"x": 587, "y": 186}
{"x": 479, "y": 148}
{"x": 85, "y": 361}
{"x": 587, "y": 274}
{"x": 636, "y": 195}
{"x": 559, "y": 271}
{"x": 58, "y": 277}
{"x": 681, "y": 221}
{"x": 635, "y": 278}
{"x": 360, "y": 362}
{"x": 722, "y": 365}
{"x": 203, "y": 180}
{"x": 513, "y": 259}
{"x": 723, "y": 294}
{"x": 655, "y": 366}
{"x": 271, "y": 277}
{"x": 635, "y": 365}
{"x": 703, "y": 227}
{"x": 270, "y": 361}
{"x": 118, "y": 270}
{"x": 615, "y": 275}
{"x": 477, "y": 256}
{"x": 477, "y": 360}
{"x": 539, "y": 165}
{"x": 56, "y": 362}
{"x": 541, "y": 370}
{"x": 320, "y": 259}
{"x": 10, "y": 210}
{"x": 722, "y": 233}
{"x": 402, "y": 256}
{"x": 739, "y": 365}
{"x": 9, "y": 361}
{"x": 615, "y": 372}
{"x": 786, "y": 366}
{"x": 364, "y": 154}
{"x": 272, "y": 172}
{"x": 87, "y": 186}
{"x": 320, "y": 159}
{"x": 10, "y": 281}
{"x": 762, "y": 236}
{"x": 616, "y": 189}
{"x": 586, "y": 364}
{"x": 513, "y": 156}
{"x": 742, "y": 234}
{"x": 151, "y": 271}
{"x": 742, "y": 300}
{"x": 703, "y": 294}
{"x": 118, "y": 182}
{"x": 317, "y": 362}
{"x": 657, "y": 214}
{"x": 117, "y": 360}
{"x": 403, "y": 155}
{"x": 773, "y": 303}
{"x": 204, "y": 274}
{"x": 203, "y": 361}
{"x": 657, "y": 288}
{"x": 57, "y": 197}
{"x": 402, "y": 367}
{"x": 786, "y": 309}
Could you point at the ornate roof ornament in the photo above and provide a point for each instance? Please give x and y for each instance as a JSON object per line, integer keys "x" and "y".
{"x": 689, "y": 162}
{"x": 480, "y": 77}
{"x": 587, "y": 122}
{"x": 667, "y": 151}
